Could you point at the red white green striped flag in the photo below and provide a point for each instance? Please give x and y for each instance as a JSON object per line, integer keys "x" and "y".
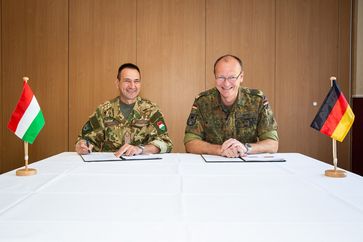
{"x": 27, "y": 119}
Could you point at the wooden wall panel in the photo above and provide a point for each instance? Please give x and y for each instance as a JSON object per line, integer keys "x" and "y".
{"x": 247, "y": 30}
{"x": 171, "y": 54}
{"x": 1, "y": 99}
{"x": 289, "y": 48}
{"x": 306, "y": 56}
{"x": 344, "y": 74}
{"x": 34, "y": 42}
{"x": 102, "y": 36}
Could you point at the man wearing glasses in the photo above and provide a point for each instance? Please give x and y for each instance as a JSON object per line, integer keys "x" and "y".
{"x": 128, "y": 124}
{"x": 230, "y": 120}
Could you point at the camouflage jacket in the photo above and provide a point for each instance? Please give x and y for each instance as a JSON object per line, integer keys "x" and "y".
{"x": 249, "y": 120}
{"x": 107, "y": 129}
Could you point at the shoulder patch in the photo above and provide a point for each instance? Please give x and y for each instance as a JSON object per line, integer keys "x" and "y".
{"x": 192, "y": 119}
{"x": 155, "y": 117}
{"x": 86, "y": 128}
{"x": 160, "y": 125}
{"x": 93, "y": 121}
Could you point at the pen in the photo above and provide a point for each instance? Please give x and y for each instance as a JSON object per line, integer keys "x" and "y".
{"x": 87, "y": 143}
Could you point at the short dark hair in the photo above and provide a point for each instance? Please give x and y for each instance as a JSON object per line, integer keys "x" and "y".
{"x": 225, "y": 57}
{"x": 129, "y": 66}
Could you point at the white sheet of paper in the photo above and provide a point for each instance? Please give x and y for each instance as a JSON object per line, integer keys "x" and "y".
{"x": 262, "y": 157}
{"x": 265, "y": 157}
{"x": 109, "y": 156}
{"x": 141, "y": 157}
{"x": 100, "y": 156}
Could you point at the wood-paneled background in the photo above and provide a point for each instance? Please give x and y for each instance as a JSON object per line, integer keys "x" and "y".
{"x": 71, "y": 51}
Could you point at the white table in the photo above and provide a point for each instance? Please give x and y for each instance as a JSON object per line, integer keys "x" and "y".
{"x": 180, "y": 198}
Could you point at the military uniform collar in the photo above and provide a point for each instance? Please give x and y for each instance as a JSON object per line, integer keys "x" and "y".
{"x": 240, "y": 98}
{"x": 218, "y": 102}
{"x": 133, "y": 112}
{"x": 137, "y": 103}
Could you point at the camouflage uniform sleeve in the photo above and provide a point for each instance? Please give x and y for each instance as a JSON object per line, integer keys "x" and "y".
{"x": 267, "y": 125}
{"x": 93, "y": 130}
{"x": 158, "y": 133}
{"x": 194, "y": 129}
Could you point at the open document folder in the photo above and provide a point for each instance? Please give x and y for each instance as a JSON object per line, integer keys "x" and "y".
{"x": 249, "y": 158}
{"x": 109, "y": 156}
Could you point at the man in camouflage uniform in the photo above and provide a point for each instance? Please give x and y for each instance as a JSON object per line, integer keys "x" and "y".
{"x": 230, "y": 120}
{"x": 127, "y": 124}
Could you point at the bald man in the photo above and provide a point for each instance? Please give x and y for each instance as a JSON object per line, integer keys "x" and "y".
{"x": 230, "y": 120}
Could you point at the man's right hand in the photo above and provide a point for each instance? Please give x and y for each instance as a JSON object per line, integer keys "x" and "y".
{"x": 82, "y": 148}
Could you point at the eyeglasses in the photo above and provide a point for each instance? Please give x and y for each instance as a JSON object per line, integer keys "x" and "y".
{"x": 230, "y": 78}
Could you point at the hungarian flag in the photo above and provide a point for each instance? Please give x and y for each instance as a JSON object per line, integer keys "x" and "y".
{"x": 161, "y": 125}
{"x": 27, "y": 119}
{"x": 335, "y": 117}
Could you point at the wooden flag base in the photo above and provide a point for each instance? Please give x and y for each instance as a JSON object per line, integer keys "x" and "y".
{"x": 335, "y": 173}
{"x": 26, "y": 172}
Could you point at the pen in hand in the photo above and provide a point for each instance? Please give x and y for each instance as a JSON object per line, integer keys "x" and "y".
{"x": 87, "y": 143}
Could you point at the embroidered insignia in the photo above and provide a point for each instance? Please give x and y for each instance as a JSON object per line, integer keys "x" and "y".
{"x": 192, "y": 119}
{"x": 87, "y": 128}
{"x": 161, "y": 125}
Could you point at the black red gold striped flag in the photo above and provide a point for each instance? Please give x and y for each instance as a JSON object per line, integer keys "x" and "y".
{"x": 335, "y": 117}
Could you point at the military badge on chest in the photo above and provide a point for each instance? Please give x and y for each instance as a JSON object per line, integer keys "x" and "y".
{"x": 246, "y": 120}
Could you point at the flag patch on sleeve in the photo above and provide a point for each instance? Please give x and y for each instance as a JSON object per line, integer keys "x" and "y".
{"x": 161, "y": 125}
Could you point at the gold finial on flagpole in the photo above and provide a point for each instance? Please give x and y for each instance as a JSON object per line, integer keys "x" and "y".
{"x": 335, "y": 172}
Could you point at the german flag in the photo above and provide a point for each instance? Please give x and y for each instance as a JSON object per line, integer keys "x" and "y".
{"x": 335, "y": 117}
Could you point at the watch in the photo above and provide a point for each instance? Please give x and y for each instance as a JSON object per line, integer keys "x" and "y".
{"x": 142, "y": 148}
{"x": 248, "y": 147}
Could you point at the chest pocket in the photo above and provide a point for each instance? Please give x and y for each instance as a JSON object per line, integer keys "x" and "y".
{"x": 246, "y": 124}
{"x": 246, "y": 121}
{"x": 112, "y": 130}
{"x": 214, "y": 130}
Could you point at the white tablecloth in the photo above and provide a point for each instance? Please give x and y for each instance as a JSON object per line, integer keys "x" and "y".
{"x": 180, "y": 198}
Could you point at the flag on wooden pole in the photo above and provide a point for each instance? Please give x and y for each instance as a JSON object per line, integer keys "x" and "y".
{"x": 335, "y": 117}
{"x": 27, "y": 119}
